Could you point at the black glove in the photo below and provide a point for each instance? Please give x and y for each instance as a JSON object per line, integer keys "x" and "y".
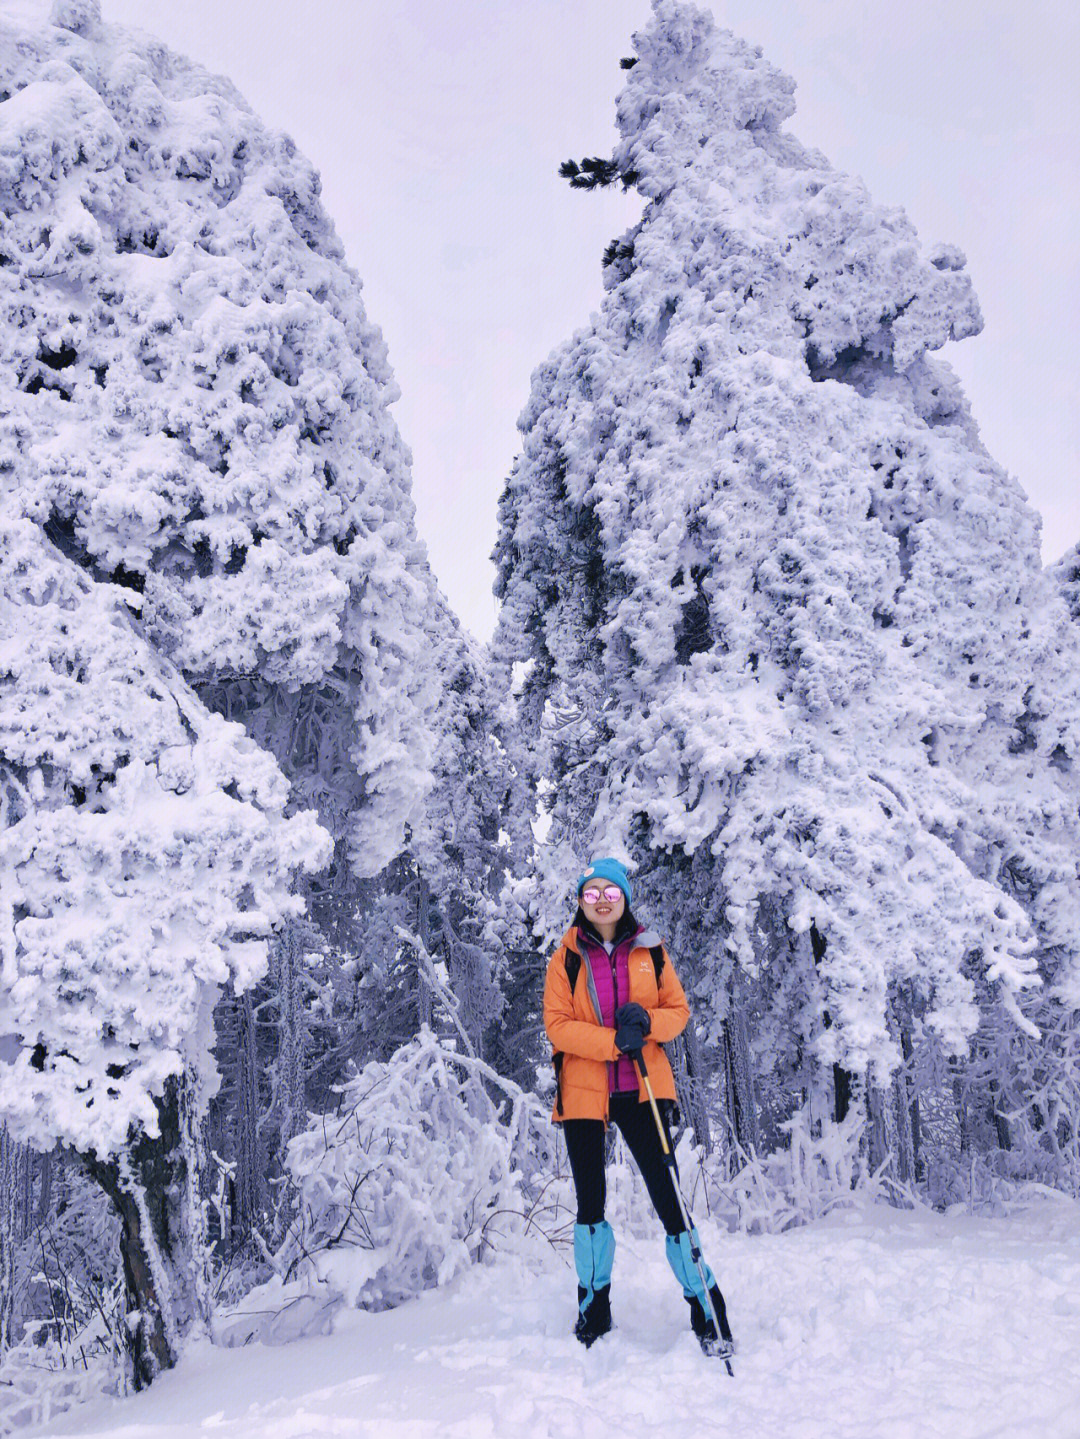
{"x": 632, "y": 1024}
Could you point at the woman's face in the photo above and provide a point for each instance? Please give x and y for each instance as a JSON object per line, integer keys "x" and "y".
{"x": 609, "y": 905}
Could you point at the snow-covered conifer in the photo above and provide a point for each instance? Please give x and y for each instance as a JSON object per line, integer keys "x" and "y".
{"x": 198, "y": 407}
{"x": 779, "y": 614}
{"x": 197, "y": 410}
{"x": 458, "y": 845}
{"x": 145, "y": 856}
{"x": 448, "y": 894}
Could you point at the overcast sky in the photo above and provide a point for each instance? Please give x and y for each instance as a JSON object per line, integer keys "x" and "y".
{"x": 439, "y": 128}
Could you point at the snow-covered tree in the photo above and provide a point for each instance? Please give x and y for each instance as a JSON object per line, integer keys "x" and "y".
{"x": 433, "y": 943}
{"x": 451, "y": 900}
{"x": 199, "y": 413}
{"x": 199, "y": 410}
{"x": 779, "y": 617}
{"x": 145, "y": 856}
{"x": 465, "y": 920}
{"x": 414, "y": 1177}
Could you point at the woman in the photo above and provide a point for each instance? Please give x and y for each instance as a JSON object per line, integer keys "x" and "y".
{"x": 611, "y": 991}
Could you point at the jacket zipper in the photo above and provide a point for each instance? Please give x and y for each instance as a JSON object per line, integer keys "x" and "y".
{"x": 613, "y": 1073}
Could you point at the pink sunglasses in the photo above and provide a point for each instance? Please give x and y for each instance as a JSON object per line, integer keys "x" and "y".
{"x": 611, "y": 894}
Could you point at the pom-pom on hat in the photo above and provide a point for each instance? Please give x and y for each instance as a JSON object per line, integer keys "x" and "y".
{"x": 607, "y": 869}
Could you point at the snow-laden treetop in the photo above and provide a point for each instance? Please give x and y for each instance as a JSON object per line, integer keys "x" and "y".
{"x": 700, "y": 118}
{"x": 197, "y": 402}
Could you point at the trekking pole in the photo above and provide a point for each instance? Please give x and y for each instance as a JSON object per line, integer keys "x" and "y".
{"x": 669, "y": 1159}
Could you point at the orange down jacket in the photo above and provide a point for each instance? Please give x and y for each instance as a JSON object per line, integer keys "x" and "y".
{"x": 587, "y": 1047}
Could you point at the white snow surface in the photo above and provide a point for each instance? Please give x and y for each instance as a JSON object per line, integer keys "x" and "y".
{"x": 872, "y": 1323}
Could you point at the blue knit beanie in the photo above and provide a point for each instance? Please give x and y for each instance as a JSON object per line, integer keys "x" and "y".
{"x": 607, "y": 869}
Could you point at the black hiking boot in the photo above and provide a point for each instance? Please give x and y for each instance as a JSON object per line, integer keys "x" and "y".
{"x": 722, "y": 1345}
{"x": 595, "y": 1320}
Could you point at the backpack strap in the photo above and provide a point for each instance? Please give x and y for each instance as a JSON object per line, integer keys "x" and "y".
{"x": 668, "y": 1107}
{"x": 657, "y": 952}
{"x": 650, "y": 940}
{"x": 573, "y": 967}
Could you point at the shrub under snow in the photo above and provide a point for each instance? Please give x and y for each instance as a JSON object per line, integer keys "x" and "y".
{"x": 397, "y": 1191}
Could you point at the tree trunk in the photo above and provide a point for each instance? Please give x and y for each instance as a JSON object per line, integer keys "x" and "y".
{"x": 425, "y": 1000}
{"x": 906, "y": 1105}
{"x": 46, "y": 1169}
{"x": 8, "y": 1228}
{"x": 250, "y": 1169}
{"x": 739, "y": 1082}
{"x": 842, "y": 1079}
{"x": 963, "y": 1116}
{"x": 877, "y": 1129}
{"x": 841, "y": 1093}
{"x": 292, "y": 1031}
{"x": 151, "y": 1186}
{"x": 1001, "y": 1124}
{"x": 690, "y": 1084}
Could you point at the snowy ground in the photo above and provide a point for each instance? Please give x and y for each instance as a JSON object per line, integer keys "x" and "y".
{"x": 872, "y": 1324}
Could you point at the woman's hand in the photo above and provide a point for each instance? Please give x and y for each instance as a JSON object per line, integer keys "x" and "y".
{"x": 632, "y": 1024}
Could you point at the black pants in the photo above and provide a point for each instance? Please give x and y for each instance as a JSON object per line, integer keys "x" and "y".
{"x": 585, "y": 1146}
